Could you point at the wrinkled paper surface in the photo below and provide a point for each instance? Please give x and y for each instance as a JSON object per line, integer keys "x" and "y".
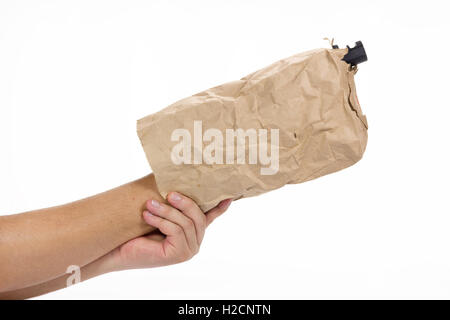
{"x": 310, "y": 97}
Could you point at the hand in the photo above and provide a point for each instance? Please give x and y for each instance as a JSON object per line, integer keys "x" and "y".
{"x": 181, "y": 227}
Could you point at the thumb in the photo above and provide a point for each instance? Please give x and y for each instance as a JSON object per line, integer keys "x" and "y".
{"x": 217, "y": 211}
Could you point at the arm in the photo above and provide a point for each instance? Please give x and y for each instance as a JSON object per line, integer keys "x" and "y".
{"x": 182, "y": 234}
{"x": 100, "y": 266}
{"x": 38, "y": 246}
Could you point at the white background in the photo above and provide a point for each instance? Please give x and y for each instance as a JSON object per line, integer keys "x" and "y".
{"x": 76, "y": 75}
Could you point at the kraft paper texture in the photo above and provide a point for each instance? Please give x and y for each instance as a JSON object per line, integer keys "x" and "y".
{"x": 309, "y": 97}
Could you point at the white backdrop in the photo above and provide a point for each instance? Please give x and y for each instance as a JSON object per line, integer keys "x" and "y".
{"x": 76, "y": 75}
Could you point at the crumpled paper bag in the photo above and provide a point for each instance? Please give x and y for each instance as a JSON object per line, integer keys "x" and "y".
{"x": 304, "y": 108}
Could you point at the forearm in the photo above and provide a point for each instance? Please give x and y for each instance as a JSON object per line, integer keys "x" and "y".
{"x": 38, "y": 246}
{"x": 104, "y": 264}
{"x": 165, "y": 246}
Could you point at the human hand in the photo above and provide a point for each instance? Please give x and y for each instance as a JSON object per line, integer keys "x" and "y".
{"x": 181, "y": 228}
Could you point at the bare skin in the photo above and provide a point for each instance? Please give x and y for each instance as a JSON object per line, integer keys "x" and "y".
{"x": 115, "y": 230}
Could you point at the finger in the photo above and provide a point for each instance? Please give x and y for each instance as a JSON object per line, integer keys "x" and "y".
{"x": 215, "y": 212}
{"x": 189, "y": 208}
{"x": 140, "y": 247}
{"x": 171, "y": 214}
{"x": 157, "y": 236}
{"x": 166, "y": 227}
{"x": 175, "y": 237}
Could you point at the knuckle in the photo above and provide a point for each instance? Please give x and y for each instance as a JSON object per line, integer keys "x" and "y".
{"x": 190, "y": 204}
{"x": 167, "y": 211}
{"x": 187, "y": 225}
{"x": 190, "y": 226}
{"x": 184, "y": 256}
{"x": 178, "y": 258}
{"x": 190, "y": 255}
{"x": 203, "y": 222}
{"x": 178, "y": 230}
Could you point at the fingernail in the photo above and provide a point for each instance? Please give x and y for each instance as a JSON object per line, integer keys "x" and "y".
{"x": 147, "y": 213}
{"x": 175, "y": 196}
{"x": 155, "y": 204}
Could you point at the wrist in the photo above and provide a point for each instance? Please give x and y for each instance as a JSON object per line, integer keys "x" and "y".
{"x": 110, "y": 262}
{"x": 137, "y": 194}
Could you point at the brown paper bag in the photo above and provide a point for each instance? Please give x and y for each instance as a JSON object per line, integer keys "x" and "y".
{"x": 293, "y": 121}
